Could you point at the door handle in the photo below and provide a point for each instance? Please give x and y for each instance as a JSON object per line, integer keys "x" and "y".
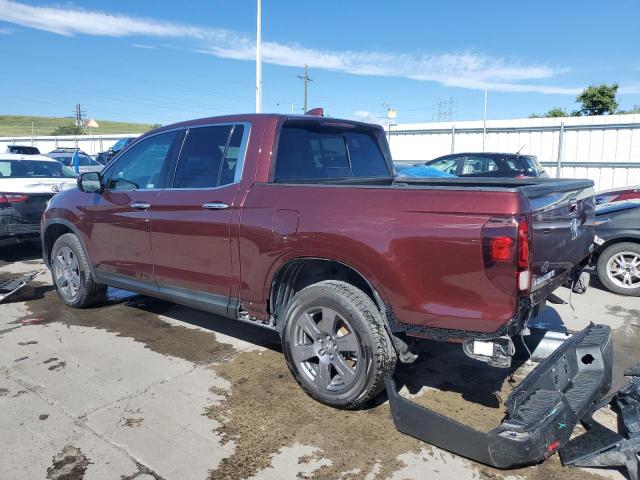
{"x": 215, "y": 206}
{"x": 140, "y": 205}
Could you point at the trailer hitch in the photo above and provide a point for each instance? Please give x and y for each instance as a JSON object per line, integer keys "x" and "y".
{"x": 541, "y": 412}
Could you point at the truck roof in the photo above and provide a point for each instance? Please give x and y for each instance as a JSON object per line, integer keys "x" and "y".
{"x": 253, "y": 117}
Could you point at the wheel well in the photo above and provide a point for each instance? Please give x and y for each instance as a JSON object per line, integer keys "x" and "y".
{"x": 300, "y": 273}
{"x": 614, "y": 241}
{"x": 51, "y": 234}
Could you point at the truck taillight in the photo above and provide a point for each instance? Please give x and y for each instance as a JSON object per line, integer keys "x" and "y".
{"x": 523, "y": 255}
{"x": 13, "y": 198}
{"x": 501, "y": 249}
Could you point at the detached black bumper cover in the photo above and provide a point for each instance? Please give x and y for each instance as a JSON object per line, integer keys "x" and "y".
{"x": 541, "y": 412}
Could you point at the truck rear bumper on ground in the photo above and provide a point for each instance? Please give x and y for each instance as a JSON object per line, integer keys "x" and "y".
{"x": 541, "y": 412}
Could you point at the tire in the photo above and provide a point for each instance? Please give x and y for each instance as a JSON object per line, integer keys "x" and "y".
{"x": 619, "y": 268}
{"x": 336, "y": 344}
{"x": 72, "y": 275}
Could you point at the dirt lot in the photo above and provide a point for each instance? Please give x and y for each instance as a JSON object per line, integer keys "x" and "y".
{"x": 140, "y": 388}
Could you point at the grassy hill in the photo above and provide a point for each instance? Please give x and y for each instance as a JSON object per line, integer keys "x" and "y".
{"x": 20, "y": 126}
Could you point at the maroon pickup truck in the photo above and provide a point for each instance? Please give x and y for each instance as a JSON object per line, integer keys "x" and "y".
{"x": 297, "y": 224}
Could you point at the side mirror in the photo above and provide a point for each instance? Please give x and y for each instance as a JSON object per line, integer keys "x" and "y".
{"x": 90, "y": 182}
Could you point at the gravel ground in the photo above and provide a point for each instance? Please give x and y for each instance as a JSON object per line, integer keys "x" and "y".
{"x": 141, "y": 388}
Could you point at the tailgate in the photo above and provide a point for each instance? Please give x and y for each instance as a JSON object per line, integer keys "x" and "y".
{"x": 563, "y": 225}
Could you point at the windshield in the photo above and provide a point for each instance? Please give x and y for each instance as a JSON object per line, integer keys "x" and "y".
{"x": 33, "y": 169}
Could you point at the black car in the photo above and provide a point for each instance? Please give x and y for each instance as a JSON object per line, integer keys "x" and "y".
{"x": 508, "y": 165}
{"x": 104, "y": 157}
{"x": 23, "y": 150}
{"x": 617, "y": 256}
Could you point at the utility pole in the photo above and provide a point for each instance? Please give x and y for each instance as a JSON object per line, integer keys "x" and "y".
{"x": 259, "y": 58}
{"x": 306, "y": 78}
{"x": 484, "y": 124}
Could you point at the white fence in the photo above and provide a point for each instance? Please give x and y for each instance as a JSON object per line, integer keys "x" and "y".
{"x": 605, "y": 149}
{"x": 91, "y": 144}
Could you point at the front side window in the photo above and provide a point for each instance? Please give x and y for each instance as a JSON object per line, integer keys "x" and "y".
{"x": 209, "y": 157}
{"x": 140, "y": 168}
{"x": 308, "y": 152}
{"x": 446, "y": 165}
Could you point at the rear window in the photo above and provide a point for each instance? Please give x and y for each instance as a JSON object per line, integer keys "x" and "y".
{"x": 531, "y": 165}
{"x": 31, "y": 168}
{"x": 310, "y": 152}
{"x": 21, "y": 150}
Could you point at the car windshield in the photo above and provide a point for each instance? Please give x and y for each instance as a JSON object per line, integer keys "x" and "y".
{"x": 34, "y": 168}
{"x": 67, "y": 159}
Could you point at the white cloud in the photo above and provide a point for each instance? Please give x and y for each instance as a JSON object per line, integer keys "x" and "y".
{"x": 142, "y": 45}
{"x": 463, "y": 70}
{"x": 629, "y": 89}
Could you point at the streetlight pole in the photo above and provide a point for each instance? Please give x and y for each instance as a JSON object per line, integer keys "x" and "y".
{"x": 259, "y": 58}
{"x": 484, "y": 125}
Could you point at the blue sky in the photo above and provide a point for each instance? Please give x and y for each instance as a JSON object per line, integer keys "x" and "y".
{"x": 165, "y": 61}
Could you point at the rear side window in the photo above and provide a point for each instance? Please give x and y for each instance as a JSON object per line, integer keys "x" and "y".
{"x": 475, "y": 165}
{"x": 209, "y": 157}
{"x": 309, "y": 152}
{"x": 29, "y": 168}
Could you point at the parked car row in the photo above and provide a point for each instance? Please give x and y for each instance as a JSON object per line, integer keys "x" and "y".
{"x": 102, "y": 158}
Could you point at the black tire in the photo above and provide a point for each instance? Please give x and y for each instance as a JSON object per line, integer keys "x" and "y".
{"x": 356, "y": 364}
{"x": 629, "y": 251}
{"x": 76, "y": 286}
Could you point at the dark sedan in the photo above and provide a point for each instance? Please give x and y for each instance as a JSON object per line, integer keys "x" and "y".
{"x": 618, "y": 246}
{"x": 508, "y": 165}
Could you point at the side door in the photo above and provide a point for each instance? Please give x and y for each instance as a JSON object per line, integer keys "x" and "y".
{"x": 119, "y": 238}
{"x": 192, "y": 218}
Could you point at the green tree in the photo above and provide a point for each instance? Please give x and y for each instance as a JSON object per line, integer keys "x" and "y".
{"x": 554, "y": 112}
{"x": 67, "y": 130}
{"x": 598, "y": 99}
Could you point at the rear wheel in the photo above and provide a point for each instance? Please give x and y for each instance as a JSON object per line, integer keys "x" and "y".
{"x": 336, "y": 345}
{"x": 619, "y": 268}
{"x": 72, "y": 274}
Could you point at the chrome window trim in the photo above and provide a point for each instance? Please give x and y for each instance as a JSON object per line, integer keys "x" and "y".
{"x": 241, "y": 155}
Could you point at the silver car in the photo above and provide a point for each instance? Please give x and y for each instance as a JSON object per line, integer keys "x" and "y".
{"x": 85, "y": 163}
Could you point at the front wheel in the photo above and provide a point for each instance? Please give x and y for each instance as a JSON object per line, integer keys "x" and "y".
{"x": 336, "y": 344}
{"x": 619, "y": 268}
{"x": 72, "y": 274}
